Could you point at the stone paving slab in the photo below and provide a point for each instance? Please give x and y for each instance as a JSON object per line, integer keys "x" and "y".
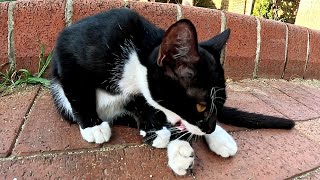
{"x": 13, "y": 109}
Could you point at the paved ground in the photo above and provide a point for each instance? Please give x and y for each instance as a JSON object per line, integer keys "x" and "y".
{"x": 35, "y": 143}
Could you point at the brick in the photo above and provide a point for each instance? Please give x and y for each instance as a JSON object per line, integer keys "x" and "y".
{"x": 314, "y": 91}
{"x": 206, "y": 21}
{"x": 313, "y": 67}
{"x": 3, "y": 35}
{"x": 127, "y": 163}
{"x": 240, "y": 51}
{"x": 230, "y": 128}
{"x": 13, "y": 109}
{"x": 162, "y": 15}
{"x": 45, "y": 130}
{"x": 310, "y": 128}
{"x": 299, "y": 94}
{"x": 272, "y": 49}
{"x": 274, "y": 154}
{"x": 244, "y": 100}
{"x": 84, "y": 8}
{"x": 262, "y": 154}
{"x": 297, "y": 52}
{"x": 35, "y": 23}
{"x": 280, "y": 101}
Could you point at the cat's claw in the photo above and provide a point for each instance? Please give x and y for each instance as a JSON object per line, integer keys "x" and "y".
{"x": 181, "y": 156}
{"x": 97, "y": 134}
{"x": 162, "y": 139}
{"x": 221, "y": 142}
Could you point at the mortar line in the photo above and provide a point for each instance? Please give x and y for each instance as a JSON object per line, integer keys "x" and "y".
{"x": 68, "y": 12}
{"x": 26, "y": 116}
{"x": 285, "y": 93}
{"x": 307, "y": 56}
{"x": 126, "y": 4}
{"x": 286, "y": 52}
{"x": 305, "y": 174}
{"x": 273, "y": 107}
{"x": 222, "y": 28}
{"x": 257, "y": 60}
{"x": 72, "y": 152}
{"x": 11, "y": 47}
{"x": 179, "y": 12}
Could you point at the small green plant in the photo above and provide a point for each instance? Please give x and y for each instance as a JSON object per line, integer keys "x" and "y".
{"x": 12, "y": 77}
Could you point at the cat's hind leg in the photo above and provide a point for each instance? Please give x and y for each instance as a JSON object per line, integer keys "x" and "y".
{"x": 221, "y": 142}
{"x": 78, "y": 104}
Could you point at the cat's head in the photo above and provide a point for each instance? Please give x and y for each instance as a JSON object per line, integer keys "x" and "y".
{"x": 195, "y": 89}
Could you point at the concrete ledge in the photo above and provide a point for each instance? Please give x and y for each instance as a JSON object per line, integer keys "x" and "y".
{"x": 257, "y": 48}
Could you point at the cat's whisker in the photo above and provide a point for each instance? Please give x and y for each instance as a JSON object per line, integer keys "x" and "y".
{"x": 190, "y": 137}
{"x": 151, "y": 137}
{"x": 184, "y": 134}
{"x": 220, "y": 98}
{"x": 175, "y": 133}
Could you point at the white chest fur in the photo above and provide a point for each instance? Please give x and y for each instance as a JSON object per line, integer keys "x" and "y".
{"x": 133, "y": 81}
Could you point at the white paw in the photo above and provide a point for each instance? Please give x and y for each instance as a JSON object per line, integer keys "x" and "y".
{"x": 162, "y": 139}
{"x": 143, "y": 133}
{"x": 98, "y": 134}
{"x": 221, "y": 142}
{"x": 180, "y": 155}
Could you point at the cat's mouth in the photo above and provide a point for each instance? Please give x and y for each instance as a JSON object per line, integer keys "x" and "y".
{"x": 183, "y": 126}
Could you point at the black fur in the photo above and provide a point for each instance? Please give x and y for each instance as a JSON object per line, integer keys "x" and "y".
{"x": 89, "y": 52}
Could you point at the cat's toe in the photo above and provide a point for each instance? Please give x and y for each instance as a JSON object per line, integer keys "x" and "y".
{"x": 162, "y": 139}
{"x": 97, "y": 134}
{"x": 181, "y": 156}
{"x": 221, "y": 143}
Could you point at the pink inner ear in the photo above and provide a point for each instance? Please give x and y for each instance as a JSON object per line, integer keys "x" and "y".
{"x": 160, "y": 58}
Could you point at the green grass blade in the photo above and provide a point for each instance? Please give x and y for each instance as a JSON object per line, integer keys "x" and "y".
{"x": 36, "y": 80}
{"x": 25, "y": 73}
{"x": 18, "y": 82}
{"x": 41, "y": 57}
{"x": 46, "y": 64}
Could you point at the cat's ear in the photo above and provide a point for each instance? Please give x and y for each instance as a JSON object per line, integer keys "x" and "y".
{"x": 216, "y": 43}
{"x": 179, "y": 45}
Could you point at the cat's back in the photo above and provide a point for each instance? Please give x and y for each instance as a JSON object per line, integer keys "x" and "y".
{"x": 101, "y": 27}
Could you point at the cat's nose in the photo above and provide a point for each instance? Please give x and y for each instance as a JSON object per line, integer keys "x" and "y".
{"x": 208, "y": 126}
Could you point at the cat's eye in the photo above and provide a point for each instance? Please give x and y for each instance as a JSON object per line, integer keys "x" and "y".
{"x": 201, "y": 107}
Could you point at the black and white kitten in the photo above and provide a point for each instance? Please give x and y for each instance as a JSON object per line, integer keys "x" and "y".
{"x": 117, "y": 64}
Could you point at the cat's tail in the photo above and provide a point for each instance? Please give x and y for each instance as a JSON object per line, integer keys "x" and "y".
{"x": 240, "y": 118}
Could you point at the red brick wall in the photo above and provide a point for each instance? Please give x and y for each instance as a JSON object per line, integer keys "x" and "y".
{"x": 256, "y": 48}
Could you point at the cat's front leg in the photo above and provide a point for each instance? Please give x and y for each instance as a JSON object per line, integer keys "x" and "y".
{"x": 97, "y": 134}
{"x": 221, "y": 142}
{"x": 180, "y": 156}
{"x": 157, "y": 139}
